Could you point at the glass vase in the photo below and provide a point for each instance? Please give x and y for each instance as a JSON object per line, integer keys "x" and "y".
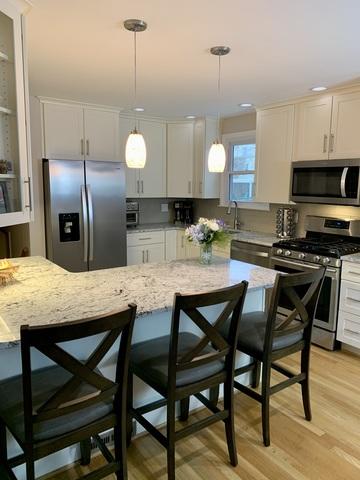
{"x": 205, "y": 254}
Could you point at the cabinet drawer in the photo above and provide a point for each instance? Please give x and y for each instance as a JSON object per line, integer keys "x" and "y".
{"x": 350, "y": 297}
{"x": 349, "y": 329}
{"x": 146, "y": 238}
{"x": 350, "y": 271}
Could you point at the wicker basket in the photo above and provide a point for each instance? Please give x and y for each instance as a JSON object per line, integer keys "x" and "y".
{"x": 7, "y": 270}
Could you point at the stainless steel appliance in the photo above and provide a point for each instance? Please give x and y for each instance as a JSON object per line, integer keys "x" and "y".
{"x": 326, "y": 181}
{"x": 85, "y": 214}
{"x": 326, "y": 241}
{"x": 183, "y": 212}
{"x": 286, "y": 220}
{"x": 132, "y": 214}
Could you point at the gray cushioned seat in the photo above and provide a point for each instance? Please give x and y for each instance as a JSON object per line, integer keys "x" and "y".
{"x": 252, "y": 334}
{"x": 45, "y": 382}
{"x": 149, "y": 361}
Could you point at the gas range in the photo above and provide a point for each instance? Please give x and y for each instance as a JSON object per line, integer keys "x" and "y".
{"x": 325, "y": 242}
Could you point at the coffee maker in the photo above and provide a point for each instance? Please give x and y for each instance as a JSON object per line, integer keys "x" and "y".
{"x": 183, "y": 212}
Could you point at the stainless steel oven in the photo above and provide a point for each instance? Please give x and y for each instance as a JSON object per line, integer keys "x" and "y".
{"x": 326, "y": 181}
{"x": 325, "y": 322}
{"x": 132, "y": 214}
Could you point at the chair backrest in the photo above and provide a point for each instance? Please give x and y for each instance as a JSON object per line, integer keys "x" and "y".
{"x": 302, "y": 293}
{"x": 68, "y": 398}
{"x": 223, "y": 346}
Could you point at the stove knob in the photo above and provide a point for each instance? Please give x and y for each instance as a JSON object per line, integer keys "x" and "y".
{"x": 279, "y": 251}
{"x": 326, "y": 261}
{"x": 302, "y": 256}
{"x": 316, "y": 258}
{"x": 287, "y": 253}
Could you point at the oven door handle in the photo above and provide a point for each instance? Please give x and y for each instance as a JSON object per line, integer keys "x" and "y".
{"x": 290, "y": 263}
{"x": 343, "y": 181}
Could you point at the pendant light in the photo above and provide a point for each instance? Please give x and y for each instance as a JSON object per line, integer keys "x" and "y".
{"x": 135, "y": 150}
{"x": 217, "y": 154}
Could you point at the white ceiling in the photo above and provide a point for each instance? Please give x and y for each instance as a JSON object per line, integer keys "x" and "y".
{"x": 79, "y": 50}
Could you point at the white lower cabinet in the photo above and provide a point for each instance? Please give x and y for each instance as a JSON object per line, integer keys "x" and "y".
{"x": 348, "y": 330}
{"x": 145, "y": 247}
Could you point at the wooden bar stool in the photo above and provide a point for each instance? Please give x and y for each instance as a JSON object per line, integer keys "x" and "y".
{"x": 54, "y": 407}
{"x": 275, "y": 334}
{"x": 183, "y": 364}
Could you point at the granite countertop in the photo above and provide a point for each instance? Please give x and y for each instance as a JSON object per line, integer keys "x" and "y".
{"x": 44, "y": 293}
{"x": 353, "y": 258}
{"x": 259, "y": 238}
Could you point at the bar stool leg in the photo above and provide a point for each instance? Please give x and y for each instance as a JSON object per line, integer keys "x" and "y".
{"x": 214, "y": 395}
{"x": 229, "y": 422}
{"x": 129, "y": 426}
{"x": 265, "y": 402}
{"x": 3, "y": 444}
{"x": 170, "y": 434}
{"x": 85, "y": 449}
{"x": 184, "y": 409}
{"x": 305, "y": 387}
{"x": 120, "y": 451}
{"x": 255, "y": 380}
{"x": 30, "y": 469}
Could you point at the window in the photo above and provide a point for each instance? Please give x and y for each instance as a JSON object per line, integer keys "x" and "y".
{"x": 241, "y": 171}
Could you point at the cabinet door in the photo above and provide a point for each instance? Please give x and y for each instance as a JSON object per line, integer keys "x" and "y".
{"x": 126, "y": 125}
{"x": 274, "y": 137}
{"x": 180, "y": 245}
{"x": 206, "y": 184}
{"x": 63, "y": 131}
{"x": 153, "y": 176}
{"x": 101, "y": 135}
{"x": 136, "y": 255}
{"x": 171, "y": 245}
{"x": 14, "y": 173}
{"x": 312, "y": 129}
{"x": 345, "y": 141}
{"x": 180, "y": 156}
{"x": 154, "y": 253}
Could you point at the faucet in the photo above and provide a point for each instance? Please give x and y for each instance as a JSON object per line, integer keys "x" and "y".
{"x": 236, "y": 216}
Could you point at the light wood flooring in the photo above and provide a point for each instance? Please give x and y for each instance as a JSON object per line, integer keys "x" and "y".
{"x": 328, "y": 448}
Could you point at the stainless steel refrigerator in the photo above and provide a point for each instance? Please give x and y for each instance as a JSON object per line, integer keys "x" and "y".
{"x": 85, "y": 214}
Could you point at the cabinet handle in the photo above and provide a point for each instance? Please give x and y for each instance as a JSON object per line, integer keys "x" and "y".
{"x": 142, "y": 186}
{"x": 145, "y": 238}
{"x": 325, "y": 143}
{"x": 353, "y": 299}
{"x": 143, "y": 254}
{"x": 138, "y": 186}
{"x": 331, "y": 145}
{"x": 189, "y": 186}
{"x": 82, "y": 146}
{"x": 29, "y": 191}
{"x": 147, "y": 256}
{"x": 87, "y": 147}
{"x": 200, "y": 187}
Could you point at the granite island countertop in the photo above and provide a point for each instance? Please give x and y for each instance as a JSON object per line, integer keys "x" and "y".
{"x": 43, "y": 293}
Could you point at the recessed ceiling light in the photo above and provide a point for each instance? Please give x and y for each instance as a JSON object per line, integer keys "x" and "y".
{"x": 139, "y": 109}
{"x": 190, "y": 117}
{"x": 245, "y": 105}
{"x": 318, "y": 89}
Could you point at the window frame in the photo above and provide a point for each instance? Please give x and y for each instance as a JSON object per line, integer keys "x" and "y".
{"x": 228, "y": 140}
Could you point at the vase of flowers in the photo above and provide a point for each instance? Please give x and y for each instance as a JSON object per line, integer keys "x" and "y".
{"x": 204, "y": 234}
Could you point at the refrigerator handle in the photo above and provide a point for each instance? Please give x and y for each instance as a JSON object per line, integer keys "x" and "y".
{"x": 85, "y": 222}
{"x": 91, "y": 224}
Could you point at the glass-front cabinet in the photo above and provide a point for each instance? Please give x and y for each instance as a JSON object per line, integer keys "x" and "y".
{"x": 15, "y": 196}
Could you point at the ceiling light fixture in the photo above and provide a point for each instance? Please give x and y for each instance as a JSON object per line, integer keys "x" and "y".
{"x": 318, "y": 89}
{"x": 217, "y": 154}
{"x": 245, "y": 105}
{"x": 139, "y": 109}
{"x": 190, "y": 117}
{"x": 135, "y": 150}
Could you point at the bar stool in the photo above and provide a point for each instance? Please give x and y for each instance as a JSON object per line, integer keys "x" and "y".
{"x": 183, "y": 364}
{"x": 54, "y": 407}
{"x": 275, "y": 334}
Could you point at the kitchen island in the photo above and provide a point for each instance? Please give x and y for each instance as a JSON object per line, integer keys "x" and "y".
{"x": 44, "y": 293}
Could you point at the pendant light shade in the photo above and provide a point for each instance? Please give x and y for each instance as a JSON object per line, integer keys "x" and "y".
{"x": 135, "y": 150}
{"x": 217, "y": 154}
{"x": 217, "y": 158}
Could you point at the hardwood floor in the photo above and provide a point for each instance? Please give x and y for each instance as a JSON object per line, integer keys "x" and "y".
{"x": 328, "y": 448}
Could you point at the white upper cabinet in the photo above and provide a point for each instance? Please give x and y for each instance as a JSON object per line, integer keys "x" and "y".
{"x": 63, "y": 127}
{"x": 101, "y": 130}
{"x": 274, "y": 141}
{"x": 15, "y": 166}
{"x": 180, "y": 159}
{"x": 312, "y": 129}
{"x": 153, "y": 177}
{"x": 345, "y": 138}
{"x": 76, "y": 132}
{"x": 206, "y": 184}
{"x": 150, "y": 181}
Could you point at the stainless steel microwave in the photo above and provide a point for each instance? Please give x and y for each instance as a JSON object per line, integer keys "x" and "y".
{"x": 335, "y": 182}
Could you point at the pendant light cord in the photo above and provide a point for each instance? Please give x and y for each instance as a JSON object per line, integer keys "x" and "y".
{"x": 135, "y": 79}
{"x": 219, "y": 98}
